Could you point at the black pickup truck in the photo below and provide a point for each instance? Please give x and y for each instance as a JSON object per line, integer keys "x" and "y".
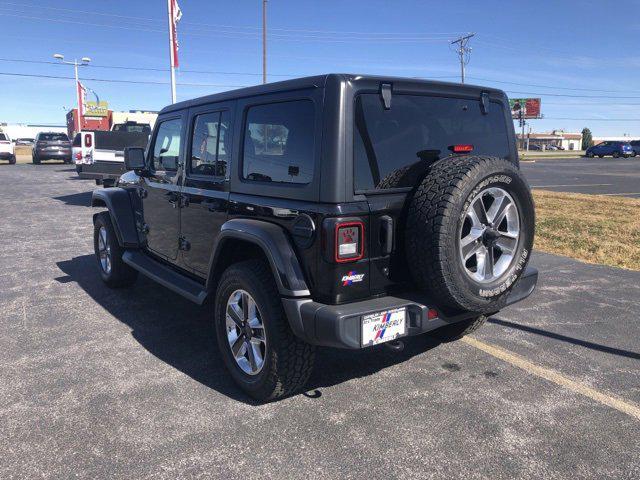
{"x": 337, "y": 210}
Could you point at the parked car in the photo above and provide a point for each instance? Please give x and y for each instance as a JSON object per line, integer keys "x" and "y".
{"x": 51, "y": 146}
{"x": 613, "y": 148}
{"x": 6, "y": 149}
{"x": 337, "y": 210}
{"x": 635, "y": 145}
{"x": 551, "y": 147}
{"x": 25, "y": 142}
{"x": 535, "y": 147}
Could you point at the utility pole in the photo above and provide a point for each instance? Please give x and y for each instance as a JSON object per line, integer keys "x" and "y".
{"x": 463, "y": 52}
{"x": 264, "y": 41}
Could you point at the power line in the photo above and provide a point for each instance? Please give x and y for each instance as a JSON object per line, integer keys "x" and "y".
{"x": 246, "y": 27}
{"x": 229, "y": 34}
{"x": 117, "y": 80}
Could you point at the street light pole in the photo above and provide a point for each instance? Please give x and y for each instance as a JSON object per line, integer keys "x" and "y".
{"x": 83, "y": 62}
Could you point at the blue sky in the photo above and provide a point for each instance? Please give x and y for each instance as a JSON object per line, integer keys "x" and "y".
{"x": 581, "y": 57}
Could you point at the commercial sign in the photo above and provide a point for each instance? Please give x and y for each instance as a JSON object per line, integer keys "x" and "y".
{"x": 96, "y": 109}
{"x": 525, "y": 107}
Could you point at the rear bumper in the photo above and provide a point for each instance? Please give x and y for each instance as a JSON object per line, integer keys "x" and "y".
{"x": 340, "y": 325}
{"x": 101, "y": 170}
{"x": 54, "y": 154}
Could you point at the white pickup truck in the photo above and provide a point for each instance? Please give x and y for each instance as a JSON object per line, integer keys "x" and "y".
{"x": 99, "y": 155}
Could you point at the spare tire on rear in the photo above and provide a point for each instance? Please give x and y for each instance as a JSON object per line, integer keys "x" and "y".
{"x": 469, "y": 232}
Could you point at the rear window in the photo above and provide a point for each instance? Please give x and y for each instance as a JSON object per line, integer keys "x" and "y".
{"x": 132, "y": 128}
{"x": 53, "y": 137}
{"x": 76, "y": 140}
{"x": 393, "y": 147}
{"x": 279, "y": 142}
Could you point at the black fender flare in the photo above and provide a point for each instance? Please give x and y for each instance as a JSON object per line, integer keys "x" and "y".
{"x": 277, "y": 248}
{"x": 117, "y": 201}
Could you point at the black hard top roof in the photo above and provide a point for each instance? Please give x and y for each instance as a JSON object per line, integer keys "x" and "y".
{"x": 317, "y": 81}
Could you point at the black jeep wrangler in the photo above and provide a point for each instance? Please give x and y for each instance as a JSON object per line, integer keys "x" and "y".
{"x": 337, "y": 210}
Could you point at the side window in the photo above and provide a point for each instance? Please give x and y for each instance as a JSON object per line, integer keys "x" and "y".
{"x": 166, "y": 148}
{"x": 279, "y": 142}
{"x": 209, "y": 149}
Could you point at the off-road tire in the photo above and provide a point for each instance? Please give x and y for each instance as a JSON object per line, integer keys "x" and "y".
{"x": 121, "y": 274}
{"x": 288, "y": 360}
{"x": 12, "y": 160}
{"x": 458, "y": 330}
{"x": 435, "y": 218}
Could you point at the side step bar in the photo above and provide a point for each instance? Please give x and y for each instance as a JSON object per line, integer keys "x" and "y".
{"x": 165, "y": 276}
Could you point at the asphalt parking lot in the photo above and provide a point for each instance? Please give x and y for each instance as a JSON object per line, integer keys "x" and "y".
{"x": 601, "y": 176}
{"x": 97, "y": 383}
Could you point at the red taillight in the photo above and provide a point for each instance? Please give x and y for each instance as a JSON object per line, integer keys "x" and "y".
{"x": 87, "y": 141}
{"x": 432, "y": 314}
{"x": 78, "y": 155}
{"x": 349, "y": 242}
{"x": 461, "y": 148}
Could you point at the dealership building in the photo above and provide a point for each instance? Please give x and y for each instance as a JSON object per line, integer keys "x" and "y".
{"x": 557, "y": 138}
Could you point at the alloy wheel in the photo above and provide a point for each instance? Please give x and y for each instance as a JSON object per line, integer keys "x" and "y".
{"x": 489, "y": 236}
{"x": 245, "y": 332}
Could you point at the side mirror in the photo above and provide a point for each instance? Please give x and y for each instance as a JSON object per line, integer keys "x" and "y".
{"x": 134, "y": 158}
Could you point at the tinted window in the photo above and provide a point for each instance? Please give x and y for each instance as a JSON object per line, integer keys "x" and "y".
{"x": 76, "y": 140}
{"x": 278, "y": 142}
{"x": 392, "y": 148}
{"x": 132, "y": 128}
{"x": 3, "y": 137}
{"x": 166, "y": 148}
{"x": 209, "y": 149}
{"x": 53, "y": 137}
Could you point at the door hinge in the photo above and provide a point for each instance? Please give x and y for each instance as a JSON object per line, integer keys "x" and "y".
{"x": 183, "y": 244}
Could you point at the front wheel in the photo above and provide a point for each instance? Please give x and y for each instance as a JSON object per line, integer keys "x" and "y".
{"x": 616, "y": 154}
{"x": 255, "y": 341}
{"x": 35, "y": 159}
{"x": 114, "y": 272}
{"x": 12, "y": 160}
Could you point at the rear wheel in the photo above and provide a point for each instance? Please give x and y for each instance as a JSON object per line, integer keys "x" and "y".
{"x": 616, "y": 154}
{"x": 256, "y": 343}
{"x": 589, "y": 155}
{"x": 458, "y": 330}
{"x": 114, "y": 272}
{"x": 469, "y": 232}
{"x": 12, "y": 160}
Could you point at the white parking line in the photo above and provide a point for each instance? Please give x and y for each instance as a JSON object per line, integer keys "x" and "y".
{"x": 575, "y": 185}
{"x": 555, "y": 377}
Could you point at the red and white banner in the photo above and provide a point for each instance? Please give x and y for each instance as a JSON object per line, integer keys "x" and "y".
{"x": 82, "y": 98}
{"x": 175, "y": 14}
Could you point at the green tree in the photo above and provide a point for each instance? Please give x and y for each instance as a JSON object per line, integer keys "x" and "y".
{"x": 587, "y": 138}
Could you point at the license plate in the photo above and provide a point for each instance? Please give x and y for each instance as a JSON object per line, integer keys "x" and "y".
{"x": 383, "y": 327}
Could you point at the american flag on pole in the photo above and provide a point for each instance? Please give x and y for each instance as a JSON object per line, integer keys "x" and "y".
{"x": 175, "y": 15}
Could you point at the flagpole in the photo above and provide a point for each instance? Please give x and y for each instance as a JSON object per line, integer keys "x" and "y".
{"x": 171, "y": 39}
